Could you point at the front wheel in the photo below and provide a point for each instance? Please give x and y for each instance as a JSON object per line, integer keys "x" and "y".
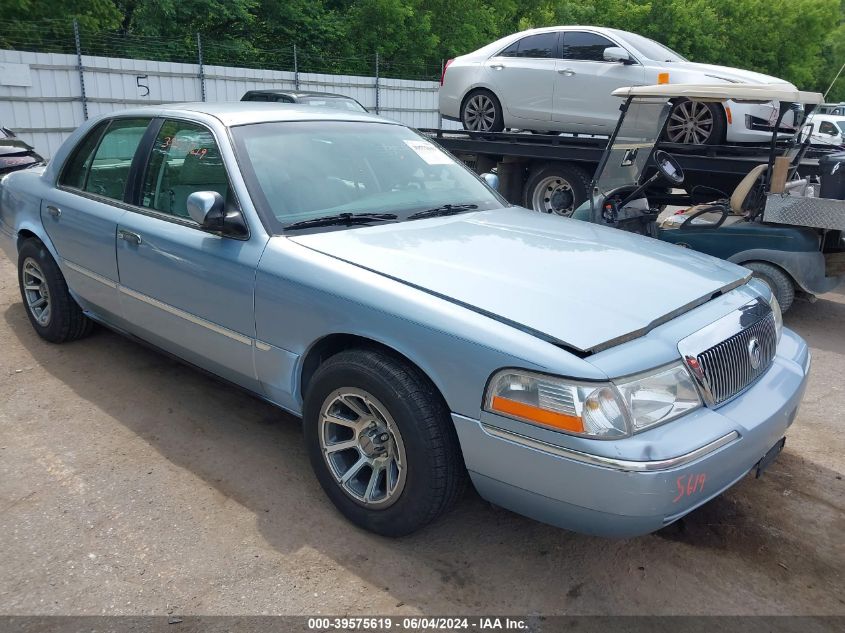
{"x": 381, "y": 442}
{"x": 695, "y": 123}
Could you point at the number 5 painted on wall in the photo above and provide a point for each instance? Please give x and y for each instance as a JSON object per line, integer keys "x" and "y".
{"x": 138, "y": 83}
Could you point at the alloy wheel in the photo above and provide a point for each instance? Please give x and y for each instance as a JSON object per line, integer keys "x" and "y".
{"x": 36, "y": 291}
{"x": 362, "y": 447}
{"x": 690, "y": 122}
{"x": 480, "y": 113}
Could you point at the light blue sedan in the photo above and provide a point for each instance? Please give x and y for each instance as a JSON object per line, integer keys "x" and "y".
{"x": 346, "y": 269}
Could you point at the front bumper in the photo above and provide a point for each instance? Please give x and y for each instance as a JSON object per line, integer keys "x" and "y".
{"x": 621, "y": 495}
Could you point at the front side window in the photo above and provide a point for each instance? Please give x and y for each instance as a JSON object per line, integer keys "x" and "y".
{"x": 827, "y": 127}
{"x": 184, "y": 159}
{"x": 542, "y": 45}
{"x": 303, "y": 170}
{"x": 584, "y": 46}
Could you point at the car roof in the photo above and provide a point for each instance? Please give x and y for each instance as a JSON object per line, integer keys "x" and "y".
{"x": 296, "y": 94}
{"x": 232, "y": 113}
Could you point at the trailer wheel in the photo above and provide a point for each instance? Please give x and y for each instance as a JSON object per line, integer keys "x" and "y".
{"x": 780, "y": 283}
{"x": 556, "y": 188}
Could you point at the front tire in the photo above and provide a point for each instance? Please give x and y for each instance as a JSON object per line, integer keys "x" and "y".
{"x": 482, "y": 112}
{"x": 696, "y": 123}
{"x": 381, "y": 442}
{"x": 52, "y": 311}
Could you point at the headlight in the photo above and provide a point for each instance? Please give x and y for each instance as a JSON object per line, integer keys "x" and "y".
{"x": 659, "y": 397}
{"x": 773, "y": 301}
{"x": 598, "y": 410}
{"x": 592, "y": 409}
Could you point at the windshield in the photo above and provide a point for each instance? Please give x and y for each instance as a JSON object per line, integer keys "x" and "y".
{"x": 337, "y": 103}
{"x": 841, "y": 125}
{"x": 631, "y": 148}
{"x": 650, "y": 49}
{"x": 304, "y": 170}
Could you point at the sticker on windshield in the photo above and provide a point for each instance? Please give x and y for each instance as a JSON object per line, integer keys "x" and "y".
{"x": 429, "y": 153}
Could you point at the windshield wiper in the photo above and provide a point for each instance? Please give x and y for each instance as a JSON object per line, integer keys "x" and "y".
{"x": 342, "y": 219}
{"x": 446, "y": 209}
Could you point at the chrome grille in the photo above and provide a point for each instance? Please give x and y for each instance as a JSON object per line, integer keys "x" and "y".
{"x": 728, "y": 367}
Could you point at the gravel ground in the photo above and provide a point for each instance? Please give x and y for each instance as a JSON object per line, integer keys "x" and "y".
{"x": 130, "y": 484}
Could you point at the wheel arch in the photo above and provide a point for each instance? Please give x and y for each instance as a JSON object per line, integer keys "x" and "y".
{"x": 805, "y": 269}
{"x": 329, "y": 345}
{"x": 27, "y": 231}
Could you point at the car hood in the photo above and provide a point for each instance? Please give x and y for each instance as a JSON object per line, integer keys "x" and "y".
{"x": 728, "y": 74}
{"x": 570, "y": 282}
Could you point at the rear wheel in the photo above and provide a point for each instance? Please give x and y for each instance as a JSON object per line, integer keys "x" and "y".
{"x": 381, "y": 442}
{"x": 482, "y": 112}
{"x": 556, "y": 188}
{"x": 779, "y": 282}
{"x": 53, "y": 313}
{"x": 696, "y": 123}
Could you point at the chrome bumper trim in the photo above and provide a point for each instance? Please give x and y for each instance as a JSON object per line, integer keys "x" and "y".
{"x": 611, "y": 462}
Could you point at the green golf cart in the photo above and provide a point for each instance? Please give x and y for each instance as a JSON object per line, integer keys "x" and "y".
{"x": 787, "y": 230}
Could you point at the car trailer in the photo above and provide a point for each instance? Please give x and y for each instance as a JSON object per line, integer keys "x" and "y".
{"x": 528, "y": 164}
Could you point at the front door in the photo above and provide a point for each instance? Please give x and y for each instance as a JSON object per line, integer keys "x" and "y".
{"x": 82, "y": 211}
{"x": 182, "y": 288}
{"x": 585, "y": 81}
{"x": 523, "y": 77}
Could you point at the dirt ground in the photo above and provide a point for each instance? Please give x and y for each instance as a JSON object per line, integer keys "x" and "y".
{"x": 131, "y": 484}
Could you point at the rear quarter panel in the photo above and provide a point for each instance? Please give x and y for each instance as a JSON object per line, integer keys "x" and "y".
{"x": 20, "y": 210}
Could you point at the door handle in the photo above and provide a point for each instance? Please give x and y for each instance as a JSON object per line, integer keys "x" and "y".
{"x": 54, "y": 211}
{"x": 129, "y": 236}
{"x": 497, "y": 66}
{"x": 566, "y": 71}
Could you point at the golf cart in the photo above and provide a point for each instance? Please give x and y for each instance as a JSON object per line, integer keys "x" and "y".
{"x": 786, "y": 230}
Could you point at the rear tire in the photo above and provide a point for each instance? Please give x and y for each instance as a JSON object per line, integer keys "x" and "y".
{"x": 481, "y": 111}
{"x": 53, "y": 313}
{"x": 557, "y": 188}
{"x": 779, "y": 282}
{"x": 400, "y": 466}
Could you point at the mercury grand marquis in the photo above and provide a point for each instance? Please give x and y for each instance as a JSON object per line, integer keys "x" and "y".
{"x": 346, "y": 269}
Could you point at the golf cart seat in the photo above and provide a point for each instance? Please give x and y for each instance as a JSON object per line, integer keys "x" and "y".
{"x": 731, "y": 210}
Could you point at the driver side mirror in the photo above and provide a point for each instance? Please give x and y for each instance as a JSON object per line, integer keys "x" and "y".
{"x": 207, "y": 208}
{"x": 617, "y": 54}
{"x": 492, "y": 180}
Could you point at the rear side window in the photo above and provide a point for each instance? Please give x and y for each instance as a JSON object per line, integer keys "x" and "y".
{"x": 76, "y": 169}
{"x": 584, "y": 46}
{"x": 542, "y": 45}
{"x": 185, "y": 158}
{"x": 109, "y": 170}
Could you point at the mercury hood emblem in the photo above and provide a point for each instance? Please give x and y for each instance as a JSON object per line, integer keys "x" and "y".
{"x": 754, "y": 352}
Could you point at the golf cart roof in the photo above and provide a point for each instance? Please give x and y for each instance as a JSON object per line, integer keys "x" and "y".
{"x": 723, "y": 92}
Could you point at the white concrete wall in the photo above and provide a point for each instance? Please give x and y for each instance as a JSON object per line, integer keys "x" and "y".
{"x": 41, "y": 94}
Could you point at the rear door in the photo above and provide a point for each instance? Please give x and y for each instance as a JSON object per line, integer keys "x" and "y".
{"x": 183, "y": 288}
{"x": 523, "y": 75}
{"x": 81, "y": 213}
{"x": 585, "y": 81}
